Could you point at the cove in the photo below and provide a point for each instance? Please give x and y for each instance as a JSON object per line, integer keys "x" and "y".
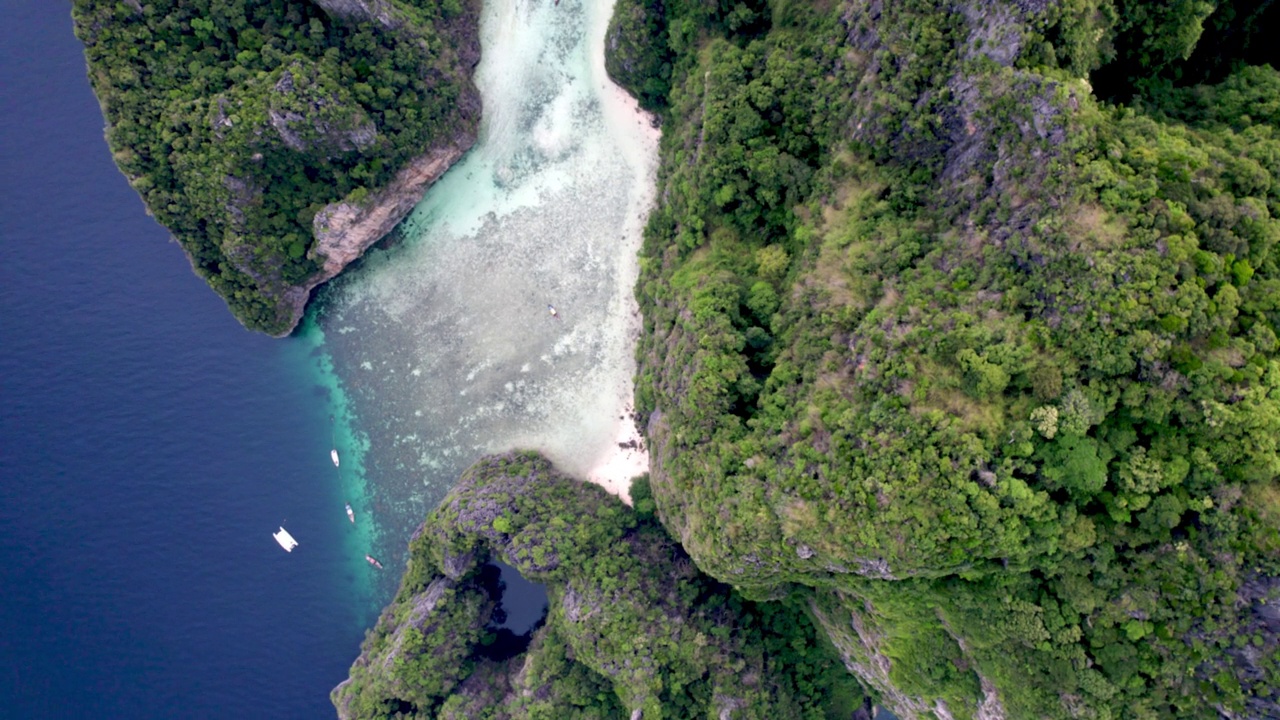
{"x": 442, "y": 347}
{"x": 151, "y": 445}
{"x": 521, "y": 610}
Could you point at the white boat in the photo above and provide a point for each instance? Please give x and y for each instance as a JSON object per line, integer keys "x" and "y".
{"x": 334, "y": 454}
{"x": 351, "y": 514}
{"x": 285, "y": 539}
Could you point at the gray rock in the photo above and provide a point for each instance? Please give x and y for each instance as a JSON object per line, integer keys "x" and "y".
{"x": 294, "y": 129}
{"x": 379, "y": 11}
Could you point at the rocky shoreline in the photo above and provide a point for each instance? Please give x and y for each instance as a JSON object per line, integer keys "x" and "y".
{"x": 277, "y": 164}
{"x": 345, "y": 230}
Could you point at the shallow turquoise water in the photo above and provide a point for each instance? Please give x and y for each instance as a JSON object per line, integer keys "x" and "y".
{"x": 441, "y": 348}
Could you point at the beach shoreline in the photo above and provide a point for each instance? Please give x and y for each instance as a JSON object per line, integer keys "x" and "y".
{"x": 627, "y": 455}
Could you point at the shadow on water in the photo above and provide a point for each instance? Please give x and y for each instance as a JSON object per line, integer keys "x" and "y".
{"x": 521, "y": 610}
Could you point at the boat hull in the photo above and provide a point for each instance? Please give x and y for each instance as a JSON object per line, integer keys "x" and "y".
{"x": 285, "y": 539}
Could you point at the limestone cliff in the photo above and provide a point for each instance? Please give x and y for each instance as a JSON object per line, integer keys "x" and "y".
{"x": 975, "y": 367}
{"x": 633, "y": 629}
{"x": 248, "y": 129}
{"x": 379, "y": 11}
{"x": 910, "y": 342}
{"x": 344, "y": 230}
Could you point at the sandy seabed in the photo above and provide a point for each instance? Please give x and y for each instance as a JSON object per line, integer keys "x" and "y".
{"x": 444, "y": 343}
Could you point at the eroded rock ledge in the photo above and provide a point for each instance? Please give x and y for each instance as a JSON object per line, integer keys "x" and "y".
{"x": 345, "y": 230}
{"x": 238, "y": 134}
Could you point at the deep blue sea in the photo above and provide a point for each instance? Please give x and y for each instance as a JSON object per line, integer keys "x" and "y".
{"x": 149, "y": 446}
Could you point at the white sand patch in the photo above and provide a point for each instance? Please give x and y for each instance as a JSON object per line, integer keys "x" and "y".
{"x": 626, "y": 459}
{"x": 621, "y": 111}
{"x": 628, "y": 456}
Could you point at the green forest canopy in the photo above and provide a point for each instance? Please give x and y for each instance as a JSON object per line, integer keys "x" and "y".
{"x": 988, "y": 364}
{"x": 238, "y": 120}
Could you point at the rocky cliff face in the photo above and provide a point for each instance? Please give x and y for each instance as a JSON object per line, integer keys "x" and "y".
{"x": 344, "y": 230}
{"x": 831, "y": 388}
{"x": 379, "y": 11}
{"x": 989, "y": 132}
{"x": 449, "y": 616}
{"x": 633, "y": 630}
{"x": 236, "y": 133}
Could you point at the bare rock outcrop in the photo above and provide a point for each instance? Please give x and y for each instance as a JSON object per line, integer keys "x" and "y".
{"x": 863, "y": 655}
{"x": 344, "y": 230}
{"x": 855, "y": 630}
{"x": 432, "y": 631}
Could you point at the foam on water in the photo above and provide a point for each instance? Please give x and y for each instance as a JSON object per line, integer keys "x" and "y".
{"x": 442, "y": 347}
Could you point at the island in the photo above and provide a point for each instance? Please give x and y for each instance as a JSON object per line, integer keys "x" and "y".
{"x": 632, "y": 622}
{"x": 279, "y": 139}
{"x": 959, "y": 369}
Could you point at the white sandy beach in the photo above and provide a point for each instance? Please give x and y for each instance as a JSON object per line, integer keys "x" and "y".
{"x": 628, "y": 455}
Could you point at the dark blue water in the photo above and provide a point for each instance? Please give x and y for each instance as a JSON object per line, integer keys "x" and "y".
{"x": 149, "y": 447}
{"x": 524, "y": 603}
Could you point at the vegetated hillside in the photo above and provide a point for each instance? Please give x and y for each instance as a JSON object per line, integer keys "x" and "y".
{"x": 985, "y": 363}
{"x": 240, "y": 122}
{"x": 633, "y": 629}
{"x": 636, "y": 53}
{"x": 979, "y": 371}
